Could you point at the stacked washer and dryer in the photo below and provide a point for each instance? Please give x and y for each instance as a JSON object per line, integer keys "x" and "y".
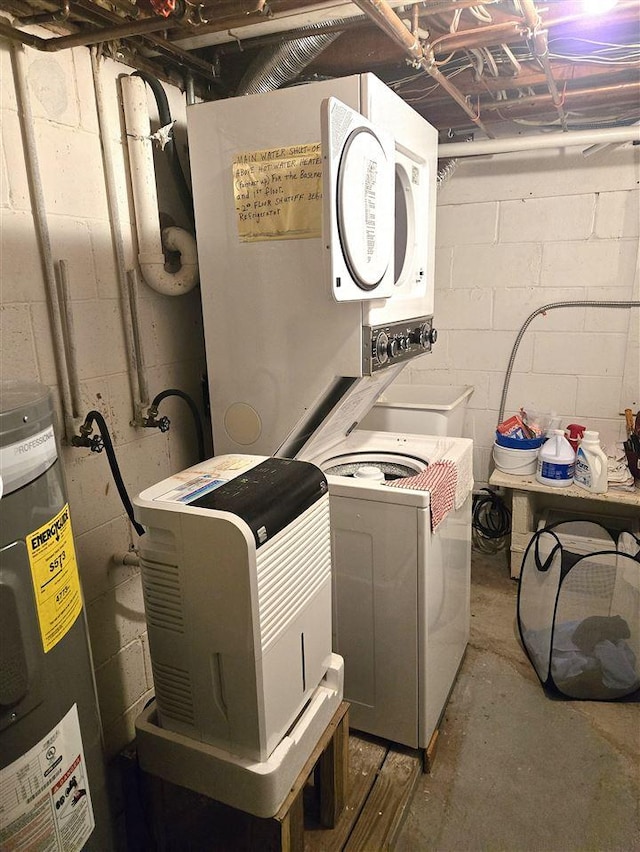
{"x": 315, "y": 214}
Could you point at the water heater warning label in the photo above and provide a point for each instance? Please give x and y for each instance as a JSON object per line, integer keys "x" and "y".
{"x": 45, "y": 803}
{"x": 54, "y": 572}
{"x": 278, "y": 193}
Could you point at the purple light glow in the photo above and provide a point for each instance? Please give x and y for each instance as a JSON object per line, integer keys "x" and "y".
{"x": 598, "y": 7}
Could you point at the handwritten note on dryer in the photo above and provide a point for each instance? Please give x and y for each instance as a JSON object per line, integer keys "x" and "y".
{"x": 278, "y": 193}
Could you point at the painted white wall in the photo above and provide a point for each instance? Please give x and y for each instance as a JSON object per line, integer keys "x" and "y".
{"x": 519, "y": 231}
{"x": 63, "y": 102}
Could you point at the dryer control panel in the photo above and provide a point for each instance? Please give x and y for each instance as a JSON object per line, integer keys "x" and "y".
{"x": 396, "y": 342}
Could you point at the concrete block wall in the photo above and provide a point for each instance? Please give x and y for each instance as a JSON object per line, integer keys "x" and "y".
{"x": 68, "y": 144}
{"x": 514, "y": 233}
{"x": 519, "y": 231}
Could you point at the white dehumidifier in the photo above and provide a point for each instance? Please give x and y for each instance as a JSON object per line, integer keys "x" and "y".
{"x": 236, "y": 574}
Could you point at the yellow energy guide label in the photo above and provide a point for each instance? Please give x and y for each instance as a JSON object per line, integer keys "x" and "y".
{"x": 56, "y": 583}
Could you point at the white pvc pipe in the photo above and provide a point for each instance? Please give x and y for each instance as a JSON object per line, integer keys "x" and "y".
{"x": 129, "y": 558}
{"x": 145, "y": 200}
{"x": 116, "y": 232}
{"x": 43, "y": 235}
{"x": 579, "y": 138}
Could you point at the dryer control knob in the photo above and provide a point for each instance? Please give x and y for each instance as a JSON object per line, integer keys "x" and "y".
{"x": 433, "y": 335}
{"x": 381, "y": 348}
{"x": 393, "y": 347}
{"x": 404, "y": 343}
{"x": 420, "y": 336}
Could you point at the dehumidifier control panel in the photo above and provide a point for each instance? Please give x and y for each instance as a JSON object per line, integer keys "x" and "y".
{"x": 268, "y": 496}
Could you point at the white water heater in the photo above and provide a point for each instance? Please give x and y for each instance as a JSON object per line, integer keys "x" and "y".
{"x": 236, "y": 573}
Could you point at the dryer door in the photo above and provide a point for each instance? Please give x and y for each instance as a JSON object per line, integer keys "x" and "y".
{"x": 358, "y": 204}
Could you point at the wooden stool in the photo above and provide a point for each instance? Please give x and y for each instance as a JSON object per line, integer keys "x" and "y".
{"x": 231, "y": 829}
{"x": 329, "y": 760}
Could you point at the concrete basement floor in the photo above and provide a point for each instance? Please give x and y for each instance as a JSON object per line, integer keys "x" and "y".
{"x": 515, "y": 769}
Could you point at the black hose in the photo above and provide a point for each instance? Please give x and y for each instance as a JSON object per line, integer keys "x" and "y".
{"x": 113, "y": 464}
{"x": 194, "y": 411}
{"x": 170, "y": 151}
{"x": 491, "y": 519}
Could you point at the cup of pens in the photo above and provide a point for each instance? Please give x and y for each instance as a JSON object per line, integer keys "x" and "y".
{"x": 632, "y": 444}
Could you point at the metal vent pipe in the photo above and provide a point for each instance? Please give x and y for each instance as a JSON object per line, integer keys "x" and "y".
{"x": 280, "y": 64}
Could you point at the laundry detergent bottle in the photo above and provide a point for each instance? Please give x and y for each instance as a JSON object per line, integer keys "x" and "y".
{"x": 591, "y": 464}
{"x": 556, "y": 461}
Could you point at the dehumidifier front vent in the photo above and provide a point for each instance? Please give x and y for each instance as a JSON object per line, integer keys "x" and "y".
{"x": 173, "y": 692}
{"x": 162, "y": 595}
{"x": 291, "y": 568}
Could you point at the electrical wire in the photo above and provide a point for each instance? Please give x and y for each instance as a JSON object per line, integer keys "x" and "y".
{"x": 490, "y": 520}
{"x": 194, "y": 411}
{"x": 84, "y": 441}
{"x": 481, "y": 14}
{"x": 490, "y": 61}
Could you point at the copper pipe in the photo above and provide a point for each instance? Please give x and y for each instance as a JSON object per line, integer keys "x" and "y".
{"x": 384, "y": 16}
{"x": 46, "y": 17}
{"x": 541, "y": 51}
{"x": 564, "y": 73}
{"x": 84, "y": 38}
{"x": 221, "y": 24}
{"x": 124, "y": 30}
{"x": 7, "y": 31}
{"x": 438, "y": 8}
{"x": 479, "y": 37}
{"x": 604, "y": 91}
{"x": 203, "y": 69}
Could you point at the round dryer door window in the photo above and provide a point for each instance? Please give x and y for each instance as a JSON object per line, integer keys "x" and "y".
{"x": 366, "y": 232}
{"x": 358, "y": 204}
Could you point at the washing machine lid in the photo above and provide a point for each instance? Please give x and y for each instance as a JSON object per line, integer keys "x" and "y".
{"x": 358, "y": 204}
{"x": 348, "y": 411}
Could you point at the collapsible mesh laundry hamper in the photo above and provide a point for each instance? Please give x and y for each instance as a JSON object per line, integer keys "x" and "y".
{"x": 579, "y": 612}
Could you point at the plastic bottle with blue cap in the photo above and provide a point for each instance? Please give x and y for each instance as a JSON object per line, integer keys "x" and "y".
{"x": 556, "y": 461}
{"x": 591, "y": 464}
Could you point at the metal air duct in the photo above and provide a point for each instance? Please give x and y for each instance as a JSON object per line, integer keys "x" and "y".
{"x": 279, "y": 64}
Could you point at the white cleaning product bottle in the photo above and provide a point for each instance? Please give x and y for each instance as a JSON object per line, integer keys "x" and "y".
{"x": 556, "y": 461}
{"x": 591, "y": 464}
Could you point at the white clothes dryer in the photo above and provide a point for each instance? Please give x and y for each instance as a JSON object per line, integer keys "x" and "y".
{"x": 400, "y": 591}
{"x": 315, "y": 273}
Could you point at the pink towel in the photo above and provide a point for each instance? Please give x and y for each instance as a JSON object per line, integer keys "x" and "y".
{"x": 440, "y": 478}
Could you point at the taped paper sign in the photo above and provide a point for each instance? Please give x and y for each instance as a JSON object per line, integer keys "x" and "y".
{"x": 278, "y": 193}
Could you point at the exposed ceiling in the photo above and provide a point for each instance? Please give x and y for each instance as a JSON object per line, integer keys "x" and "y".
{"x": 496, "y": 67}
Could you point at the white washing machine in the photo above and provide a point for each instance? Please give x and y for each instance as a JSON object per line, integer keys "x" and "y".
{"x": 401, "y": 592}
{"x": 315, "y": 215}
